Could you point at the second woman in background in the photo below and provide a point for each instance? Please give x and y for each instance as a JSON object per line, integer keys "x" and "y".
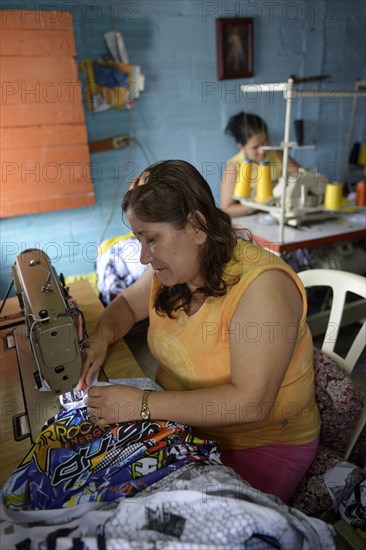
{"x": 251, "y": 135}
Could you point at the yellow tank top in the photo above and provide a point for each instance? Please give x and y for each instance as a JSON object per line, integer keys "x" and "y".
{"x": 194, "y": 352}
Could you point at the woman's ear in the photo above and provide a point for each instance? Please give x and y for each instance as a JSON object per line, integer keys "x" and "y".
{"x": 199, "y": 235}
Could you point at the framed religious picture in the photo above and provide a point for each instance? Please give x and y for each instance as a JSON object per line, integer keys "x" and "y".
{"x": 234, "y": 38}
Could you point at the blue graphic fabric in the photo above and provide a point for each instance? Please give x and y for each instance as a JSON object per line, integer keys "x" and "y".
{"x": 74, "y": 461}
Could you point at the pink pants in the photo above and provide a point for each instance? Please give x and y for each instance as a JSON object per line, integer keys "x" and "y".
{"x": 276, "y": 469}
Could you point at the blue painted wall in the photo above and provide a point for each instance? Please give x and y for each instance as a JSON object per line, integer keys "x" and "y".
{"x": 184, "y": 109}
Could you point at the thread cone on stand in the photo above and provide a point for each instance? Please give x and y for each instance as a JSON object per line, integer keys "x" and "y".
{"x": 243, "y": 180}
{"x": 362, "y": 154}
{"x": 333, "y": 196}
{"x": 264, "y": 183}
{"x": 361, "y": 193}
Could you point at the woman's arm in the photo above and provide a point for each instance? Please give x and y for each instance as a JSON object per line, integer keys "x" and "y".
{"x": 227, "y": 203}
{"x": 272, "y": 308}
{"x": 131, "y": 306}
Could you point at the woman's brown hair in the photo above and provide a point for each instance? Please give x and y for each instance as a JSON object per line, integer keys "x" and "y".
{"x": 169, "y": 192}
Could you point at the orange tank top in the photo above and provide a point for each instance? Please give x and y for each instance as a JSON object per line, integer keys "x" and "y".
{"x": 194, "y": 352}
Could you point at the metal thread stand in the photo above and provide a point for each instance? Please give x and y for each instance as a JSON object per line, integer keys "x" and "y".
{"x": 290, "y": 92}
{"x": 360, "y": 86}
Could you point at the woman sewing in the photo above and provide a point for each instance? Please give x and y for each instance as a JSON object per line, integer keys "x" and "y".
{"x": 227, "y": 323}
{"x": 251, "y": 135}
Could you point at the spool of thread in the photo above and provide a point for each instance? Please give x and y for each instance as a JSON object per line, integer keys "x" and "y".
{"x": 361, "y": 193}
{"x": 333, "y": 196}
{"x": 243, "y": 179}
{"x": 362, "y": 154}
{"x": 264, "y": 183}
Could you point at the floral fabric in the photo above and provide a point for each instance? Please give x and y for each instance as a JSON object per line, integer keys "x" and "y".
{"x": 340, "y": 403}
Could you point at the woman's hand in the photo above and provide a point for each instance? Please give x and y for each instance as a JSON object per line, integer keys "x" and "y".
{"x": 117, "y": 403}
{"x": 95, "y": 357}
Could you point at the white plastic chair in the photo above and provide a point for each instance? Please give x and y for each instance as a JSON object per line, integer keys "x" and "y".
{"x": 341, "y": 283}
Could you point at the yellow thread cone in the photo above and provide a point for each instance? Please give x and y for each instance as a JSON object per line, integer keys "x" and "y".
{"x": 333, "y": 196}
{"x": 243, "y": 179}
{"x": 264, "y": 183}
{"x": 362, "y": 154}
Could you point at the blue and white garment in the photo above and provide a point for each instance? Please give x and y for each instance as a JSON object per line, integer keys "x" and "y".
{"x": 118, "y": 267}
{"x": 198, "y": 507}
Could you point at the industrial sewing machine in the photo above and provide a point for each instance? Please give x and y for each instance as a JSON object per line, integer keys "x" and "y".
{"x": 304, "y": 201}
{"x": 304, "y": 198}
{"x": 50, "y": 344}
{"x": 305, "y": 190}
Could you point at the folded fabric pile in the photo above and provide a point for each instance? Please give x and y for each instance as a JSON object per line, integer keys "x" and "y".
{"x": 141, "y": 485}
{"x": 204, "y": 506}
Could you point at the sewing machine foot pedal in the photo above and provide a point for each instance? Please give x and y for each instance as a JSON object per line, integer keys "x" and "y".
{"x": 8, "y": 341}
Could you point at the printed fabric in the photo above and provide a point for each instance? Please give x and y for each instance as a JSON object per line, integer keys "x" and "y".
{"x": 346, "y": 484}
{"x": 118, "y": 267}
{"x": 203, "y": 507}
{"x": 73, "y": 461}
{"x": 107, "y": 84}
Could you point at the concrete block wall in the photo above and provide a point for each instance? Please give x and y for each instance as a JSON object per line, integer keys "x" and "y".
{"x": 184, "y": 109}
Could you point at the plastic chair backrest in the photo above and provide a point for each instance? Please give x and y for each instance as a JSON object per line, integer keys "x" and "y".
{"x": 341, "y": 283}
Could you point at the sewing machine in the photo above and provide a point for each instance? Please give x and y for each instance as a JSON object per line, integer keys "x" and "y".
{"x": 304, "y": 190}
{"x": 49, "y": 344}
{"x": 304, "y": 200}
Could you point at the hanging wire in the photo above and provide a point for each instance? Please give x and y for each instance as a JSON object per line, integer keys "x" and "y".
{"x": 133, "y": 141}
{"x": 116, "y": 196}
{"x": 110, "y": 9}
{"x": 117, "y": 193}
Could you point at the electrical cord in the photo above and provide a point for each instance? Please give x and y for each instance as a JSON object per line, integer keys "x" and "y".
{"x": 133, "y": 140}
{"x": 115, "y": 201}
{"x": 6, "y": 295}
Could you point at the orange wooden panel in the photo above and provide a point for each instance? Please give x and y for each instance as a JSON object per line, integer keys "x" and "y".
{"x": 41, "y": 113}
{"x": 43, "y": 179}
{"x": 22, "y": 69}
{"x": 52, "y": 91}
{"x": 35, "y": 206}
{"x": 28, "y": 19}
{"x": 45, "y": 155}
{"x": 61, "y": 170}
{"x": 37, "y": 42}
{"x": 34, "y": 136}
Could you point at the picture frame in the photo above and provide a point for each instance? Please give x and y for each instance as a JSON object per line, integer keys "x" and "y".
{"x": 234, "y": 40}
